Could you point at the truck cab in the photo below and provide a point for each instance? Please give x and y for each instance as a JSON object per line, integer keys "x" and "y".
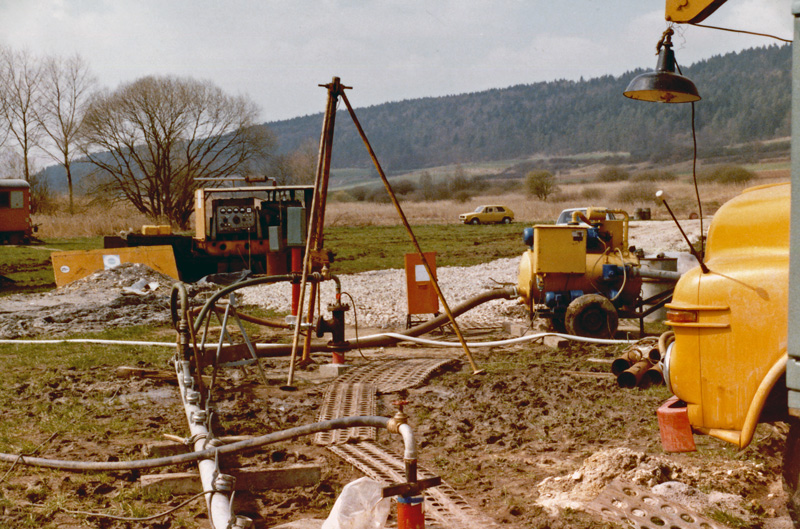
{"x": 727, "y": 362}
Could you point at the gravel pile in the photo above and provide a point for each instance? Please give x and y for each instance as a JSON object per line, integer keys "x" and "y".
{"x": 130, "y": 294}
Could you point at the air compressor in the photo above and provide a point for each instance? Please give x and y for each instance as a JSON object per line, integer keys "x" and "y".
{"x": 584, "y": 277}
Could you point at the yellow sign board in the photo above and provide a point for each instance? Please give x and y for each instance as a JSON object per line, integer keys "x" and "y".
{"x": 76, "y": 264}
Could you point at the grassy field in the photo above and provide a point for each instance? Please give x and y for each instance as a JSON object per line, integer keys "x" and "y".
{"x": 29, "y": 267}
{"x": 356, "y": 249}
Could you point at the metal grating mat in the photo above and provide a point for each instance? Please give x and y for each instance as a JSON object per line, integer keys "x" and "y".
{"x": 347, "y": 400}
{"x": 395, "y": 375}
{"x": 636, "y": 507}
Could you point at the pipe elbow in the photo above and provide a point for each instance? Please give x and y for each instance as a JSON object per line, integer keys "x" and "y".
{"x": 408, "y": 441}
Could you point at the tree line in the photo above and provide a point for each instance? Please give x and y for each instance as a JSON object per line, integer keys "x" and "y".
{"x": 745, "y": 97}
{"x": 151, "y": 141}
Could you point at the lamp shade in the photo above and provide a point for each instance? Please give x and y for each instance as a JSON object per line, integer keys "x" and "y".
{"x": 663, "y": 85}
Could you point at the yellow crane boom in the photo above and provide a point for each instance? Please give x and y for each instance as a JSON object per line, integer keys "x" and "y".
{"x": 690, "y": 11}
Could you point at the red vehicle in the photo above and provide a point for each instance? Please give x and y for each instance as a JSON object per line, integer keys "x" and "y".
{"x": 15, "y": 212}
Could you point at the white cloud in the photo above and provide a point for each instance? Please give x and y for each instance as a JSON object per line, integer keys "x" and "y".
{"x": 278, "y": 52}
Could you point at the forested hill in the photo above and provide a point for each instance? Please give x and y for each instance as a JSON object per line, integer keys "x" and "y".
{"x": 745, "y": 97}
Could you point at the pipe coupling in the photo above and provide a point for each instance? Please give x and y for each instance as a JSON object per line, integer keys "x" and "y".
{"x": 224, "y": 482}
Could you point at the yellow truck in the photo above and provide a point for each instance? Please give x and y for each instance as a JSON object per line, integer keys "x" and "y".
{"x": 730, "y": 359}
{"x": 727, "y": 360}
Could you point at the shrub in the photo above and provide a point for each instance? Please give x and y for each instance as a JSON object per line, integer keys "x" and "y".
{"x": 541, "y": 184}
{"x": 341, "y": 196}
{"x": 359, "y": 193}
{"x": 461, "y": 196}
{"x": 638, "y": 193}
{"x": 403, "y": 187}
{"x": 654, "y": 175}
{"x": 613, "y": 173}
{"x": 726, "y": 174}
{"x": 379, "y": 195}
{"x": 592, "y": 193}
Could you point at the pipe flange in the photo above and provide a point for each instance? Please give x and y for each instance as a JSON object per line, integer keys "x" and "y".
{"x": 199, "y": 417}
{"x": 193, "y": 397}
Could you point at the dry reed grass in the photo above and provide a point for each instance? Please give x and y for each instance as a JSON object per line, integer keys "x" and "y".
{"x": 89, "y": 220}
{"x": 527, "y": 209}
{"x": 94, "y": 220}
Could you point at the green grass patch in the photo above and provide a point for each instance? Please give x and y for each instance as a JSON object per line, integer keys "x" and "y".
{"x": 382, "y": 247}
{"x": 30, "y": 267}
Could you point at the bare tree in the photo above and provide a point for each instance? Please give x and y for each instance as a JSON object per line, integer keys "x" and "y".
{"x": 303, "y": 162}
{"x": 66, "y": 86}
{"x": 156, "y": 136}
{"x": 20, "y": 74}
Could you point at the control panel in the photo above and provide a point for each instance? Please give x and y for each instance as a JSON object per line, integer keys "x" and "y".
{"x": 234, "y": 216}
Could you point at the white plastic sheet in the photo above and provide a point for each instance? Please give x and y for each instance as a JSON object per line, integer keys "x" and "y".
{"x": 359, "y": 506}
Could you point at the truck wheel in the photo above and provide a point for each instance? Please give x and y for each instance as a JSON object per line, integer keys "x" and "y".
{"x": 474, "y": 221}
{"x": 791, "y": 470}
{"x": 506, "y": 220}
{"x": 593, "y": 316}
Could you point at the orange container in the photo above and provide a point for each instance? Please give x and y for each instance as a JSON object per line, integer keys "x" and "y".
{"x": 673, "y": 422}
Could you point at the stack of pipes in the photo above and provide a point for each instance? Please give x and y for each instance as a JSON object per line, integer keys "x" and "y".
{"x": 638, "y": 366}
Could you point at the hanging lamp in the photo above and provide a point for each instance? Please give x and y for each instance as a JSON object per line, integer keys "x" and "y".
{"x": 663, "y": 85}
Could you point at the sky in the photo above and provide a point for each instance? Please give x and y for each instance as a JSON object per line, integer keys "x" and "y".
{"x": 277, "y": 52}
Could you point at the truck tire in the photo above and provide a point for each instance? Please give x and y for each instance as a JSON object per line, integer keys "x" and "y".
{"x": 791, "y": 470}
{"x": 474, "y": 222}
{"x": 592, "y": 316}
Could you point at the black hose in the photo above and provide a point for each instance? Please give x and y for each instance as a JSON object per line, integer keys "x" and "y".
{"x": 275, "y": 437}
{"x": 236, "y": 286}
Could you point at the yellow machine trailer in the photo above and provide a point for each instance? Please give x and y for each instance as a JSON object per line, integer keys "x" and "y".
{"x": 583, "y": 276}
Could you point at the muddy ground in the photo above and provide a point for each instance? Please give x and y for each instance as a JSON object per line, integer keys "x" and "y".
{"x": 530, "y": 443}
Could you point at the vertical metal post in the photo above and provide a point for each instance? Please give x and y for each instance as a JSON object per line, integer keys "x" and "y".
{"x": 793, "y": 365}
{"x": 317, "y": 222}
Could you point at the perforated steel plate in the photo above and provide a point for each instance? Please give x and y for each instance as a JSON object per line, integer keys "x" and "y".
{"x": 636, "y": 507}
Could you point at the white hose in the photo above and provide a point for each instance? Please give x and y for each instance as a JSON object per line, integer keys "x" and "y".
{"x": 528, "y": 338}
{"x": 89, "y": 340}
{"x": 397, "y": 336}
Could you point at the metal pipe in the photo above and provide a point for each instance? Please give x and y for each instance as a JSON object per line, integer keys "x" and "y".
{"x": 651, "y": 273}
{"x": 218, "y": 502}
{"x": 248, "y": 444}
{"x": 211, "y": 302}
{"x": 630, "y": 377}
{"x": 408, "y": 441}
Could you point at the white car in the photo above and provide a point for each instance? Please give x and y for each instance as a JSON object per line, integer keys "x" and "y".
{"x": 565, "y": 217}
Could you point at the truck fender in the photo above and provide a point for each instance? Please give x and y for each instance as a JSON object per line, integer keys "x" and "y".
{"x": 775, "y": 373}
